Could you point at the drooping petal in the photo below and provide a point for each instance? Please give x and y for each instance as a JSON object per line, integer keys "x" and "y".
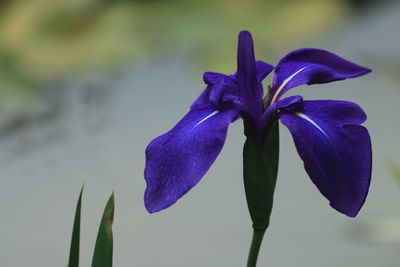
{"x": 250, "y": 88}
{"x": 311, "y": 66}
{"x": 335, "y": 149}
{"x": 177, "y": 160}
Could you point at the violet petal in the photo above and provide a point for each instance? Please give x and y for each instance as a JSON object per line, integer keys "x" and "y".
{"x": 263, "y": 69}
{"x": 203, "y": 100}
{"x": 177, "y": 160}
{"x": 335, "y": 149}
{"x": 250, "y": 88}
{"x": 311, "y": 66}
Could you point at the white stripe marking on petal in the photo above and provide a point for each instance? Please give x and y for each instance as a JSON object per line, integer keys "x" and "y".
{"x": 304, "y": 116}
{"x": 206, "y": 118}
{"x": 285, "y": 82}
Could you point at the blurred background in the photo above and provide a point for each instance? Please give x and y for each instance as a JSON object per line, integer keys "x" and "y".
{"x": 86, "y": 84}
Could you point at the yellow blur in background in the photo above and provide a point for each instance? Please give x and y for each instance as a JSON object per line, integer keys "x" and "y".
{"x": 45, "y": 40}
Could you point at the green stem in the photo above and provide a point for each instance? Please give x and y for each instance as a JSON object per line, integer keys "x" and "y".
{"x": 255, "y": 247}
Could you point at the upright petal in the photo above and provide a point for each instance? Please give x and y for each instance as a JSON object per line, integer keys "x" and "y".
{"x": 250, "y": 88}
{"x": 177, "y": 160}
{"x": 335, "y": 149}
{"x": 311, "y": 66}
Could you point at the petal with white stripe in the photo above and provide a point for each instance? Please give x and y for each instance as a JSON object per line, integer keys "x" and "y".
{"x": 177, "y": 160}
{"x": 335, "y": 149}
{"x": 311, "y": 66}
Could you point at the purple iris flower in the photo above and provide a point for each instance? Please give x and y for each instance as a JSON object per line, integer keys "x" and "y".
{"x": 335, "y": 148}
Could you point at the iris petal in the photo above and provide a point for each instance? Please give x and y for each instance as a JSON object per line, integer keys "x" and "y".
{"x": 203, "y": 100}
{"x": 250, "y": 88}
{"x": 311, "y": 66}
{"x": 263, "y": 69}
{"x": 212, "y": 77}
{"x": 228, "y": 92}
{"x": 217, "y": 93}
{"x": 177, "y": 160}
{"x": 335, "y": 149}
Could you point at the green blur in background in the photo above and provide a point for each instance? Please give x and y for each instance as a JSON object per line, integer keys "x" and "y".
{"x": 44, "y": 40}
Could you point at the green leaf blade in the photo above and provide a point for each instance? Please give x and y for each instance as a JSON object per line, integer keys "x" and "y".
{"x": 75, "y": 239}
{"x": 103, "y": 252}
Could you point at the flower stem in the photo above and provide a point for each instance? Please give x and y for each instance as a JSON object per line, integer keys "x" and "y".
{"x": 255, "y": 247}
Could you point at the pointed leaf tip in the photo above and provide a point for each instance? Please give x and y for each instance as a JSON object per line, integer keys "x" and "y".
{"x": 103, "y": 252}
{"x": 75, "y": 239}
